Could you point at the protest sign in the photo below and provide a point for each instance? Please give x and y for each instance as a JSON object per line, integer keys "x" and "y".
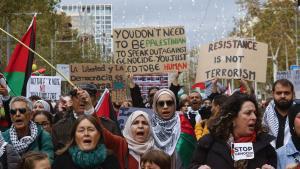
{"x": 46, "y": 87}
{"x": 64, "y": 69}
{"x": 242, "y": 151}
{"x": 110, "y": 76}
{"x": 233, "y": 59}
{"x": 294, "y": 77}
{"x": 151, "y": 49}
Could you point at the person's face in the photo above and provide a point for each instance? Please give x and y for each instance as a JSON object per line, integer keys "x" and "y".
{"x": 42, "y": 120}
{"x": 195, "y": 100}
{"x": 215, "y": 108}
{"x": 38, "y": 107}
{"x": 20, "y": 115}
{"x": 78, "y": 105}
{"x": 149, "y": 165}
{"x": 184, "y": 108}
{"x": 165, "y": 106}
{"x": 151, "y": 95}
{"x": 297, "y": 124}
{"x": 140, "y": 129}
{"x": 86, "y": 136}
{"x": 283, "y": 96}
{"x": 207, "y": 103}
{"x": 244, "y": 123}
{"x": 42, "y": 164}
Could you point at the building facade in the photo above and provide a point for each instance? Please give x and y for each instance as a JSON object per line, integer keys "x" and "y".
{"x": 94, "y": 20}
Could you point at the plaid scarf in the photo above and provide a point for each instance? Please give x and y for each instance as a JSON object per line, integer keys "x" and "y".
{"x": 166, "y": 133}
{"x": 22, "y": 145}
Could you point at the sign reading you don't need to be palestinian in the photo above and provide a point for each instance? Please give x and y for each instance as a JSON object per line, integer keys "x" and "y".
{"x": 151, "y": 50}
{"x": 233, "y": 59}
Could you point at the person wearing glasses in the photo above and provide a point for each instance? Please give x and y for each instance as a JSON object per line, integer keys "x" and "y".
{"x": 135, "y": 92}
{"x": 44, "y": 119}
{"x": 24, "y": 135}
{"x": 165, "y": 125}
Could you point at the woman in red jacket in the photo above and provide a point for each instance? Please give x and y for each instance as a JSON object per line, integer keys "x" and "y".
{"x": 137, "y": 140}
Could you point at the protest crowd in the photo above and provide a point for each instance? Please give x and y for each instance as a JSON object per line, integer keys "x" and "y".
{"x": 187, "y": 131}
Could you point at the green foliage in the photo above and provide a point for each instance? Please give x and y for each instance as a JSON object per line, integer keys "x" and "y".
{"x": 273, "y": 23}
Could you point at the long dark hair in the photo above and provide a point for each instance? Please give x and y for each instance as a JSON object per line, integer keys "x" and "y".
{"x": 91, "y": 119}
{"x": 222, "y": 125}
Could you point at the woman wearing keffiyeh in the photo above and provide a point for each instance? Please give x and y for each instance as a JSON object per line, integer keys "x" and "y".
{"x": 166, "y": 124}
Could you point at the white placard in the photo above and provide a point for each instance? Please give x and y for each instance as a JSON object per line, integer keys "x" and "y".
{"x": 242, "y": 151}
{"x": 46, "y": 87}
{"x": 64, "y": 69}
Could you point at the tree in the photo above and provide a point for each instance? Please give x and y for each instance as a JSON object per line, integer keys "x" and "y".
{"x": 272, "y": 22}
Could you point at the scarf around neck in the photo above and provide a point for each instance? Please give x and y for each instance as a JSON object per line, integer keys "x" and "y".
{"x": 136, "y": 149}
{"x": 2, "y": 144}
{"x": 90, "y": 159}
{"x": 166, "y": 132}
{"x": 22, "y": 145}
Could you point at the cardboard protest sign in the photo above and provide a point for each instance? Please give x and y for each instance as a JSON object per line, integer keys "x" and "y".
{"x": 111, "y": 76}
{"x": 233, "y": 59}
{"x": 151, "y": 49}
{"x": 46, "y": 87}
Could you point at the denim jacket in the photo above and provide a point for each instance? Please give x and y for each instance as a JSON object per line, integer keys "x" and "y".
{"x": 287, "y": 155}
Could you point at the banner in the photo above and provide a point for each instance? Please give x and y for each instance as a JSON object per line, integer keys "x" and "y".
{"x": 151, "y": 49}
{"x": 46, "y": 87}
{"x": 233, "y": 59}
{"x": 110, "y": 76}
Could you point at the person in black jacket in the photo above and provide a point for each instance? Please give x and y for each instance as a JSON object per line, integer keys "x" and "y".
{"x": 86, "y": 150}
{"x": 238, "y": 122}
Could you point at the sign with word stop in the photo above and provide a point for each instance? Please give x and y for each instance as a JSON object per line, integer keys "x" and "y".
{"x": 151, "y": 50}
{"x": 233, "y": 59}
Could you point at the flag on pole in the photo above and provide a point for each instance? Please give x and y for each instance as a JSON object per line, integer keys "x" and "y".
{"x": 19, "y": 68}
{"x": 104, "y": 107}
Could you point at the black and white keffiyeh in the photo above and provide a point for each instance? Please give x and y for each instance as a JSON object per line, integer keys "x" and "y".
{"x": 22, "y": 144}
{"x": 2, "y": 145}
{"x": 166, "y": 132}
{"x": 270, "y": 120}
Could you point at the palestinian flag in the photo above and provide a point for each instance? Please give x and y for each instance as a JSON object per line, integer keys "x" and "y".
{"x": 187, "y": 141}
{"x": 104, "y": 107}
{"x": 19, "y": 68}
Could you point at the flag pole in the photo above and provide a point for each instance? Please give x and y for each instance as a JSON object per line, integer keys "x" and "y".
{"x": 68, "y": 80}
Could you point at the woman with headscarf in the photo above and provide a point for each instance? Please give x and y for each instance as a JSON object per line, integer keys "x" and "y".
{"x": 137, "y": 140}
{"x": 41, "y": 105}
{"x": 237, "y": 139}
{"x": 9, "y": 158}
{"x": 166, "y": 124}
{"x": 290, "y": 153}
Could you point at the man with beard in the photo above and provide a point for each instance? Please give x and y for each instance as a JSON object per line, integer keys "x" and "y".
{"x": 275, "y": 116}
{"x": 194, "y": 111}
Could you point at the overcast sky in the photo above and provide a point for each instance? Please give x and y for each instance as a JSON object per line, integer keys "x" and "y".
{"x": 204, "y": 20}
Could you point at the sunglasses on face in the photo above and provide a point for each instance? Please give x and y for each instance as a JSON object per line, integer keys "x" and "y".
{"x": 163, "y": 103}
{"x": 21, "y": 110}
